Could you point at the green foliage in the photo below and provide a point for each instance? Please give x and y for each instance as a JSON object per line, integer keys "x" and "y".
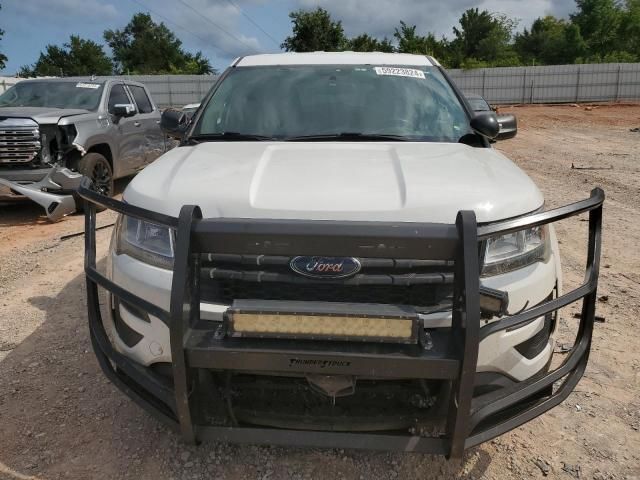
{"x": 630, "y": 29}
{"x": 483, "y": 37}
{"x": 314, "y": 31}
{"x": 550, "y": 41}
{"x": 366, "y": 43}
{"x": 410, "y": 42}
{"x": 599, "y": 31}
{"x": 78, "y": 57}
{"x": 3, "y": 57}
{"x": 145, "y": 47}
{"x": 599, "y": 22}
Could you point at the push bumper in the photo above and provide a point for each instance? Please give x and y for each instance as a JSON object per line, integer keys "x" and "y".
{"x": 452, "y": 357}
{"x": 51, "y": 191}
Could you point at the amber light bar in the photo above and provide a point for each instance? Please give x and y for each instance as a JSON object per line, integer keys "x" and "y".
{"x": 329, "y": 321}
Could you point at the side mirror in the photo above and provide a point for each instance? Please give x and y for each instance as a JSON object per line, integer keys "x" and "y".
{"x": 486, "y": 124}
{"x": 124, "y": 110}
{"x": 508, "y": 126}
{"x": 174, "y": 123}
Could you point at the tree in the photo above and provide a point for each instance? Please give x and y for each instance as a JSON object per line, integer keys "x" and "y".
{"x": 314, "y": 31}
{"x": 484, "y": 37}
{"x": 145, "y": 47}
{"x": 366, "y": 43}
{"x": 599, "y": 22}
{"x": 630, "y": 29}
{"x": 550, "y": 41}
{"x": 3, "y": 57}
{"x": 410, "y": 42}
{"x": 78, "y": 57}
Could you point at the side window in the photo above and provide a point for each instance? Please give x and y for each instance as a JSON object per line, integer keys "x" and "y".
{"x": 117, "y": 96}
{"x": 141, "y": 98}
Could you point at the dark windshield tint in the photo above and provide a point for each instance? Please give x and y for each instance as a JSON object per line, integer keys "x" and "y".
{"x": 295, "y": 101}
{"x": 117, "y": 96}
{"x": 141, "y": 98}
{"x": 81, "y": 95}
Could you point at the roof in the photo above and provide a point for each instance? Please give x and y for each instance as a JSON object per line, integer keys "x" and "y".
{"x": 99, "y": 80}
{"x": 337, "y": 58}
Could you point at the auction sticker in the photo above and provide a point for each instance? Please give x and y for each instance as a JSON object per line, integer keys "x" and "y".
{"x": 87, "y": 85}
{"x": 400, "y": 72}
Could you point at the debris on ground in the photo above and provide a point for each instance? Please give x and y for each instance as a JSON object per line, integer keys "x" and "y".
{"x": 543, "y": 465}
{"x": 576, "y": 167}
{"x": 573, "y": 470}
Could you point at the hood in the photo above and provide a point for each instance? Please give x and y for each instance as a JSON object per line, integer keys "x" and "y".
{"x": 396, "y": 182}
{"x": 41, "y": 115}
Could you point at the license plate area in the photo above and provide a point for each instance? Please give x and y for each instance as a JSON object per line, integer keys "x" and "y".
{"x": 347, "y": 322}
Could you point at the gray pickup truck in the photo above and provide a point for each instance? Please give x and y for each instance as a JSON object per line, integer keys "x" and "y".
{"x": 55, "y": 130}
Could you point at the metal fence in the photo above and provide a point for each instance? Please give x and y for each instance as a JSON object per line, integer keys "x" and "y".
{"x": 175, "y": 90}
{"x": 605, "y": 82}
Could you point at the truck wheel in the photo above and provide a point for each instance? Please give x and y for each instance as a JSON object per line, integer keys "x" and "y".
{"x": 97, "y": 168}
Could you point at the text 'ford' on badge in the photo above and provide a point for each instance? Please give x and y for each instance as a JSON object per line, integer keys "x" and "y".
{"x": 325, "y": 267}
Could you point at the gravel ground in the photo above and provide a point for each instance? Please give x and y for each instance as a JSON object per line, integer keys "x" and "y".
{"x": 60, "y": 418}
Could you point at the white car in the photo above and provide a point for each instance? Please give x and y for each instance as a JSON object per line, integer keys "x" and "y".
{"x": 360, "y": 260}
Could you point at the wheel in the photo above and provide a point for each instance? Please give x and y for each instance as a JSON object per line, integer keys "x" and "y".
{"x": 98, "y": 169}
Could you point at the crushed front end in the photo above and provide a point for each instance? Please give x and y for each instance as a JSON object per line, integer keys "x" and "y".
{"x": 32, "y": 166}
{"x": 259, "y": 354}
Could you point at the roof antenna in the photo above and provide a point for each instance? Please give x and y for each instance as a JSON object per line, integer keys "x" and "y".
{"x": 93, "y": 77}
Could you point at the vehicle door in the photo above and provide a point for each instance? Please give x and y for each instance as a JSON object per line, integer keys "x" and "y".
{"x": 129, "y": 133}
{"x": 149, "y": 116}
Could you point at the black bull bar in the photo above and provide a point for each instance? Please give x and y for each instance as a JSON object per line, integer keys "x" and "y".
{"x": 469, "y": 420}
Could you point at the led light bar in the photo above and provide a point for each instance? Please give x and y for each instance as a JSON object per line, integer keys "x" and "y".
{"x": 322, "y": 321}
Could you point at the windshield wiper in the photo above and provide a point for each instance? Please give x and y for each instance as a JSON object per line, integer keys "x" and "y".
{"x": 228, "y": 136}
{"x": 350, "y": 136}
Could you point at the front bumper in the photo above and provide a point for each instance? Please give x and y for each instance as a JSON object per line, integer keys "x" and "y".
{"x": 49, "y": 188}
{"x": 196, "y": 348}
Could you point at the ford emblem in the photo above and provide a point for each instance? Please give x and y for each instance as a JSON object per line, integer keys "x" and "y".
{"x": 325, "y": 267}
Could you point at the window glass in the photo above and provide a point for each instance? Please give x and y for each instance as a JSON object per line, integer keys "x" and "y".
{"x": 118, "y": 96}
{"x": 53, "y": 94}
{"x": 293, "y": 101}
{"x": 479, "y": 104}
{"x": 141, "y": 98}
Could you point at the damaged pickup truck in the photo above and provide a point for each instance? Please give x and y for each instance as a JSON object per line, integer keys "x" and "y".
{"x": 55, "y": 130}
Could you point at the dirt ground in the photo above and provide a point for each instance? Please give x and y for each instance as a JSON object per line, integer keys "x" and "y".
{"x": 60, "y": 418}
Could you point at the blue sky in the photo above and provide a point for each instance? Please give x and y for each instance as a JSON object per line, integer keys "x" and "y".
{"x": 31, "y": 24}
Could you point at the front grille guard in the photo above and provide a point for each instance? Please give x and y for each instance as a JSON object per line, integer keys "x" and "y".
{"x": 470, "y": 420}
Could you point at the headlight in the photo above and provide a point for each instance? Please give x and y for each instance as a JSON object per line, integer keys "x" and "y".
{"x": 145, "y": 241}
{"x": 516, "y": 250}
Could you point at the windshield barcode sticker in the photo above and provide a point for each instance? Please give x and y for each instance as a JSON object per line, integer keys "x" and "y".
{"x": 87, "y": 85}
{"x": 400, "y": 72}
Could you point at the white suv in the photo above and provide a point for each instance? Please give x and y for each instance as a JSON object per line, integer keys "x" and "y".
{"x": 358, "y": 258}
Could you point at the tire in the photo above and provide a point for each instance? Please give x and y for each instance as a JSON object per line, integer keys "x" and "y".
{"x": 98, "y": 169}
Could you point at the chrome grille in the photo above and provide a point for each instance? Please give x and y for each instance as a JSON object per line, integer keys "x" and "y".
{"x": 19, "y": 140}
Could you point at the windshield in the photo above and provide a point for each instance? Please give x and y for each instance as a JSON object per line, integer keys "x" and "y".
{"x": 290, "y": 102}
{"x": 80, "y": 95}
